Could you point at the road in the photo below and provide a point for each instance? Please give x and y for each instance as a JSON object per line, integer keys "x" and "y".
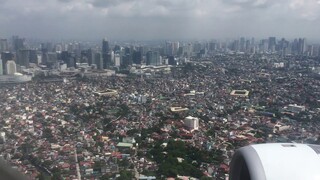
{"x": 77, "y": 164}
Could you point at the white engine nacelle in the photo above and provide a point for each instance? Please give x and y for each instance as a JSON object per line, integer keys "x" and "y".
{"x": 279, "y": 161}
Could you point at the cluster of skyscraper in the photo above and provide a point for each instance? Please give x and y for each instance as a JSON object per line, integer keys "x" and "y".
{"x": 272, "y": 45}
{"x": 104, "y": 56}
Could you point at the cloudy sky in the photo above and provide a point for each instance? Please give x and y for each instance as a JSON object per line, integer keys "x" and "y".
{"x": 159, "y": 19}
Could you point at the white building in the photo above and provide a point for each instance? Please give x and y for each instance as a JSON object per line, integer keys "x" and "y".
{"x": 11, "y": 67}
{"x": 280, "y": 127}
{"x": 117, "y": 60}
{"x": 192, "y": 122}
{"x": 295, "y": 108}
{"x": 1, "y": 68}
{"x": 3, "y": 136}
{"x": 278, "y": 65}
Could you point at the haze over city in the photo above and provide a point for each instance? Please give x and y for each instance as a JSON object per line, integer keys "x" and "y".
{"x": 159, "y": 19}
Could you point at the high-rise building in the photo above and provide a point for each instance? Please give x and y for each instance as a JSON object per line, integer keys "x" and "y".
{"x": 18, "y": 43}
{"x": 242, "y": 44}
{"x": 52, "y": 57}
{"x": 137, "y": 57}
{"x": 153, "y": 58}
{"x": 197, "y": 47}
{"x": 117, "y": 60}
{"x": 192, "y": 123}
{"x": 106, "y": 56}
{"x": 248, "y": 46}
{"x": 105, "y": 46}
{"x": 252, "y": 41}
{"x": 127, "y": 57}
{"x": 272, "y": 44}
{"x": 302, "y": 47}
{"x": 310, "y": 49}
{"x": 295, "y": 46}
{"x": 33, "y": 56}
{"x": 171, "y": 61}
{"x": 3, "y": 45}
{"x": 11, "y": 67}
{"x": 87, "y": 56}
{"x": 90, "y": 54}
{"x": 98, "y": 60}
{"x": 6, "y": 56}
{"x": 1, "y": 67}
{"x": 176, "y": 46}
{"x": 64, "y": 56}
{"x": 264, "y": 45}
{"x": 169, "y": 49}
{"x": 23, "y": 57}
{"x": 212, "y": 46}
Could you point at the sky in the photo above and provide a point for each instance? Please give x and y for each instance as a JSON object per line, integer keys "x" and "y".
{"x": 159, "y": 19}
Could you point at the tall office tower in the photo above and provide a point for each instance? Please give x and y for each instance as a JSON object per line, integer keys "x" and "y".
{"x": 264, "y": 45}
{"x": 247, "y": 46}
{"x": 283, "y": 47}
{"x": 137, "y": 57}
{"x": 52, "y": 57}
{"x": 117, "y": 48}
{"x": 180, "y": 51}
{"x": 58, "y": 48}
{"x": 302, "y": 47}
{"x": 11, "y": 67}
{"x": 188, "y": 50}
{"x": 171, "y": 61}
{"x": 126, "y": 61}
{"x": 98, "y": 60}
{"x": 3, "y": 45}
{"x": 33, "y": 57}
{"x": 64, "y": 56}
{"x": 44, "y": 58}
{"x": 252, "y": 41}
{"x": 6, "y": 56}
{"x": 106, "y": 56}
{"x": 316, "y": 51}
{"x": 212, "y": 46}
{"x": 310, "y": 50}
{"x": 105, "y": 46}
{"x": 197, "y": 47}
{"x": 90, "y": 55}
{"x": 242, "y": 44}
{"x": 117, "y": 60}
{"x": 282, "y": 44}
{"x": 1, "y": 67}
{"x": 18, "y": 43}
{"x": 48, "y": 46}
{"x": 72, "y": 61}
{"x": 175, "y": 47}
{"x": 84, "y": 57}
{"x": 169, "y": 49}
{"x": 153, "y": 58}
{"x": 112, "y": 57}
{"x": 127, "y": 57}
{"x": 272, "y": 44}
{"x": 295, "y": 46}
{"x": 23, "y": 57}
{"x": 236, "y": 45}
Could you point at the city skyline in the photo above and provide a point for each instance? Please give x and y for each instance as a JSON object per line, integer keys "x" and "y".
{"x": 150, "y": 20}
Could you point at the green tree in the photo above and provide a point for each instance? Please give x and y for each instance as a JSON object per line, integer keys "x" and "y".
{"x": 125, "y": 175}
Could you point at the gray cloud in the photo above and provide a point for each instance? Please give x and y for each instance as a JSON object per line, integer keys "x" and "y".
{"x": 154, "y": 19}
{"x": 108, "y": 3}
{"x": 250, "y": 3}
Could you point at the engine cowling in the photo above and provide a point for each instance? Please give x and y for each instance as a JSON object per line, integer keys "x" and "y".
{"x": 278, "y": 161}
